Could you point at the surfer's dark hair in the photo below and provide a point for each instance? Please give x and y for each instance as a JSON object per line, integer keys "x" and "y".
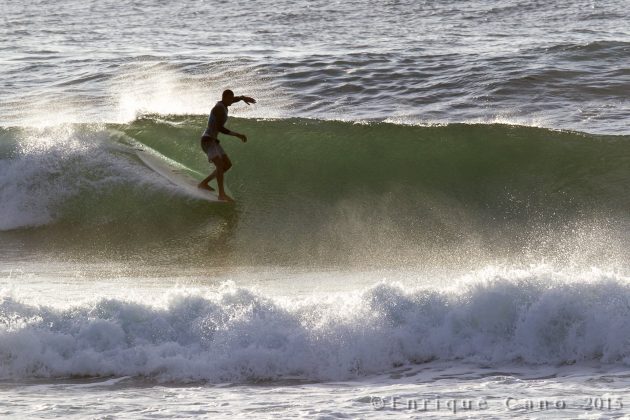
{"x": 227, "y": 93}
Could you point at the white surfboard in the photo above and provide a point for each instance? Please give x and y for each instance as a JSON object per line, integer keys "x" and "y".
{"x": 177, "y": 176}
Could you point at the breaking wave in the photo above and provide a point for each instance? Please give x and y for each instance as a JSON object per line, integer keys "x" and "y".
{"x": 241, "y": 335}
{"x": 314, "y": 186}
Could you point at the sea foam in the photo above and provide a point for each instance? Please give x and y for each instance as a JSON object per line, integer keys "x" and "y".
{"x": 241, "y": 335}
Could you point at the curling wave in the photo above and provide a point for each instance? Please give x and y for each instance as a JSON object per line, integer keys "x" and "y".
{"x": 313, "y": 185}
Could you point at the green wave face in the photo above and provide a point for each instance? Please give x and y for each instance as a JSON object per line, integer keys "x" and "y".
{"x": 325, "y": 192}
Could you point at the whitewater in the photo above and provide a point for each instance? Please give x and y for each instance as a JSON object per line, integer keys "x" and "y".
{"x": 431, "y": 219}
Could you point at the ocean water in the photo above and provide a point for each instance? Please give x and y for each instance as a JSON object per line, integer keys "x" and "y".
{"x": 432, "y": 216}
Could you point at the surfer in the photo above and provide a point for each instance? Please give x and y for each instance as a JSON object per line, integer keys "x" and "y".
{"x": 210, "y": 142}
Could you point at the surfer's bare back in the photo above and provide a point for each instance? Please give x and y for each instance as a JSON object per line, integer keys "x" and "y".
{"x": 210, "y": 142}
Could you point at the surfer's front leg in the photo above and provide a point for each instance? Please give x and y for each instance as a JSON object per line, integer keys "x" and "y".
{"x": 204, "y": 184}
{"x": 218, "y": 162}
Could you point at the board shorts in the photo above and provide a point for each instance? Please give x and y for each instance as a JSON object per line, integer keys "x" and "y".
{"x": 212, "y": 148}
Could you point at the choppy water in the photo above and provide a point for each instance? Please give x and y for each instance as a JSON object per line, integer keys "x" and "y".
{"x": 412, "y": 61}
{"x": 432, "y": 205}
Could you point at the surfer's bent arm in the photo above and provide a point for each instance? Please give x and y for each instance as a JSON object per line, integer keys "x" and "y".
{"x": 232, "y": 133}
{"x": 222, "y": 129}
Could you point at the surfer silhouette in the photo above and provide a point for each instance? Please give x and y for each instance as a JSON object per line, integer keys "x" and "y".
{"x": 210, "y": 142}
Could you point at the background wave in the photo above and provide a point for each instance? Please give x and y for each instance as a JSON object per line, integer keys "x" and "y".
{"x": 414, "y": 61}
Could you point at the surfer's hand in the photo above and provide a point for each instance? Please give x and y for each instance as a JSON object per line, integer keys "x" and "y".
{"x": 248, "y": 101}
{"x": 243, "y": 138}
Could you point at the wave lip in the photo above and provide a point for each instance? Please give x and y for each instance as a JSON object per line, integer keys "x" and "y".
{"x": 238, "y": 335}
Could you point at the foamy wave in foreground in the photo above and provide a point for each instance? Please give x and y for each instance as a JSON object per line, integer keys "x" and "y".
{"x": 240, "y": 335}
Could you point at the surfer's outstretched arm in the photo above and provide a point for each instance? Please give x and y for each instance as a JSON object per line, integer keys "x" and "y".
{"x": 248, "y": 100}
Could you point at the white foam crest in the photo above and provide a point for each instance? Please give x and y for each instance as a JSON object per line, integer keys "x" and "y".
{"x": 49, "y": 166}
{"x": 54, "y": 111}
{"x": 493, "y": 317}
{"x": 507, "y": 118}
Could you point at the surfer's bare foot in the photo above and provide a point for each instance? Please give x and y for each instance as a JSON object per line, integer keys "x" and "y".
{"x": 226, "y": 197}
{"x": 205, "y": 187}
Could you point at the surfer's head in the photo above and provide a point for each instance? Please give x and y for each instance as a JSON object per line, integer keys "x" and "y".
{"x": 228, "y": 97}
